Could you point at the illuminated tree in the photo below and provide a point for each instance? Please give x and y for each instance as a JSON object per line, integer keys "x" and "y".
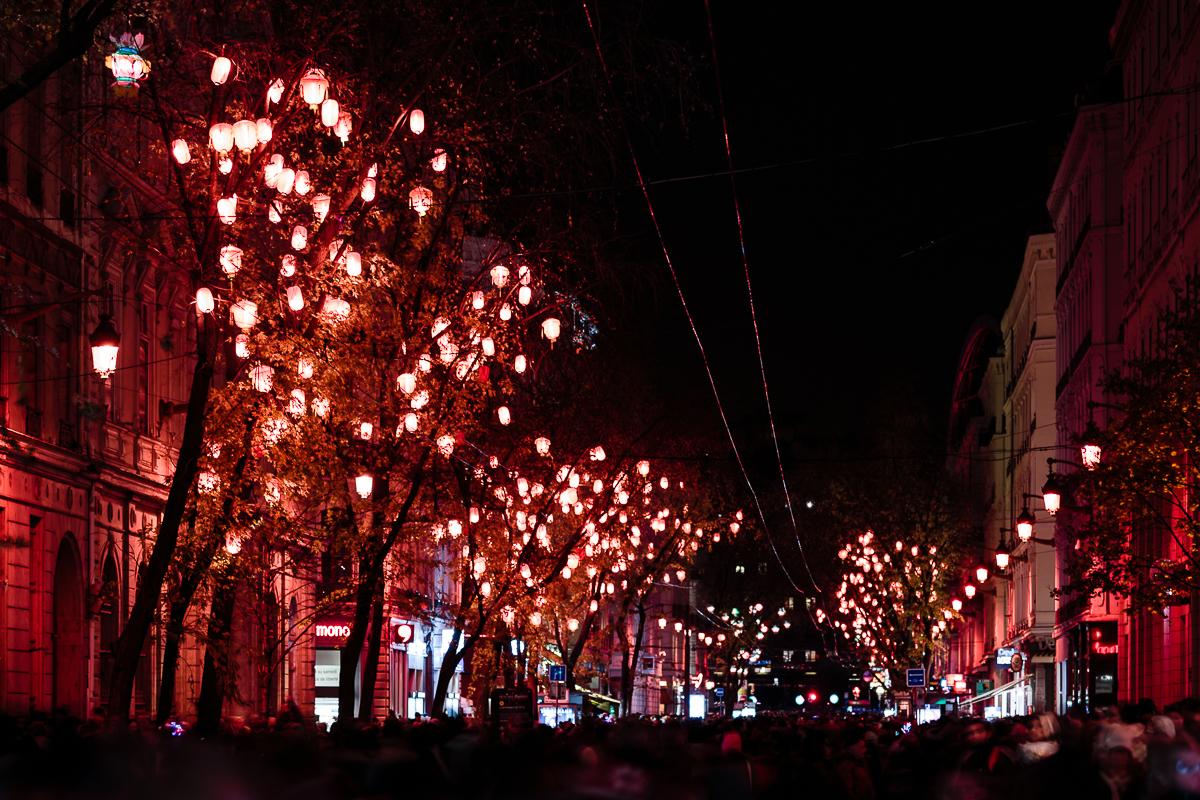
{"x": 1133, "y": 520}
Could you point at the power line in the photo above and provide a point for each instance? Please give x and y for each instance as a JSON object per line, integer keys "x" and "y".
{"x": 762, "y": 367}
{"x": 645, "y": 191}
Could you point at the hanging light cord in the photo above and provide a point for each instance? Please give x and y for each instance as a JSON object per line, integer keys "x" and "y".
{"x": 587, "y": 12}
{"x": 762, "y": 368}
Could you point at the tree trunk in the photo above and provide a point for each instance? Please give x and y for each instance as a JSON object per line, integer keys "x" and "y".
{"x": 450, "y": 663}
{"x": 351, "y": 652}
{"x": 170, "y": 664}
{"x": 217, "y": 662}
{"x": 370, "y": 668}
{"x": 629, "y": 663}
{"x": 573, "y": 653}
{"x": 191, "y": 580}
{"x": 73, "y": 40}
{"x": 129, "y": 646}
{"x": 371, "y": 564}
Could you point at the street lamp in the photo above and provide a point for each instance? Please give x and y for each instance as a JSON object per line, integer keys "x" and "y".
{"x": 105, "y": 342}
{"x": 1089, "y": 446}
{"x": 1025, "y": 523}
{"x": 969, "y": 590}
{"x": 1002, "y": 557}
{"x": 981, "y": 573}
{"x": 1052, "y": 491}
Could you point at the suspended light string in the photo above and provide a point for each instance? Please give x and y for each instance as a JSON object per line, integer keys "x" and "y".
{"x": 587, "y": 12}
{"x": 762, "y": 367}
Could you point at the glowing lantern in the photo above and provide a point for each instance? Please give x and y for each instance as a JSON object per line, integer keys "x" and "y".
{"x": 241, "y": 346}
{"x": 488, "y": 345}
{"x": 420, "y": 200}
{"x": 220, "y": 136}
{"x": 231, "y": 259}
{"x": 245, "y": 135}
{"x": 287, "y": 266}
{"x": 365, "y": 431}
{"x": 227, "y": 209}
{"x": 296, "y": 402}
{"x": 643, "y": 468}
{"x": 285, "y": 181}
{"x": 105, "y": 343}
{"x": 678, "y": 626}
{"x": 542, "y": 445}
{"x": 329, "y": 112}
{"x": 204, "y": 300}
{"x": 344, "y": 126}
{"x": 221, "y": 69}
{"x": 275, "y": 91}
{"x": 597, "y": 453}
{"x": 264, "y": 130}
{"x": 364, "y": 484}
{"x": 271, "y": 170}
{"x": 551, "y": 328}
{"x": 353, "y": 264}
{"x": 445, "y": 444}
{"x": 304, "y": 368}
{"x": 313, "y": 87}
{"x": 504, "y": 415}
{"x": 439, "y": 160}
{"x": 233, "y": 544}
{"x": 1025, "y": 522}
{"x": 406, "y": 382}
{"x": 295, "y": 298}
{"x": 505, "y": 313}
{"x": 181, "y": 151}
{"x": 1090, "y": 449}
{"x": 524, "y": 295}
{"x": 1052, "y": 494}
{"x": 1002, "y": 558}
{"x": 262, "y": 377}
{"x": 662, "y": 623}
{"x": 320, "y": 406}
{"x": 969, "y": 590}
{"x": 956, "y": 604}
{"x": 244, "y": 314}
{"x": 416, "y": 121}
{"x": 981, "y": 574}
{"x": 519, "y": 364}
{"x": 127, "y": 65}
{"x": 224, "y": 165}
{"x": 499, "y": 275}
{"x": 303, "y": 182}
{"x": 320, "y": 207}
{"x": 299, "y": 237}
{"x": 367, "y": 193}
{"x": 411, "y": 422}
{"x": 336, "y": 308}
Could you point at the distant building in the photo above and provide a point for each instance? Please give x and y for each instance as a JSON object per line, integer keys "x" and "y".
{"x": 1001, "y": 430}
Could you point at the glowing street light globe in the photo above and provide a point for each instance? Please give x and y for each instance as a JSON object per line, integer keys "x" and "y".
{"x": 1025, "y": 522}
{"x": 105, "y": 343}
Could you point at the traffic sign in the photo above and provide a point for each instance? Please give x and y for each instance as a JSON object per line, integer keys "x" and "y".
{"x": 558, "y": 672}
{"x": 916, "y": 677}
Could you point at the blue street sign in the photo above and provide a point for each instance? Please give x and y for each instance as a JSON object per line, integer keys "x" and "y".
{"x": 558, "y": 672}
{"x": 916, "y": 677}
{"x": 719, "y": 691}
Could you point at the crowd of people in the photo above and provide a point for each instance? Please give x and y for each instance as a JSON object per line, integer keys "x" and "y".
{"x": 1137, "y": 752}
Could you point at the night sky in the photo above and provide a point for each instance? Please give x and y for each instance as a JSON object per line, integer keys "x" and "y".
{"x": 869, "y": 262}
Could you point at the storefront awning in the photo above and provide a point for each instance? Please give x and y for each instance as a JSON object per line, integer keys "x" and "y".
{"x": 992, "y": 693}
